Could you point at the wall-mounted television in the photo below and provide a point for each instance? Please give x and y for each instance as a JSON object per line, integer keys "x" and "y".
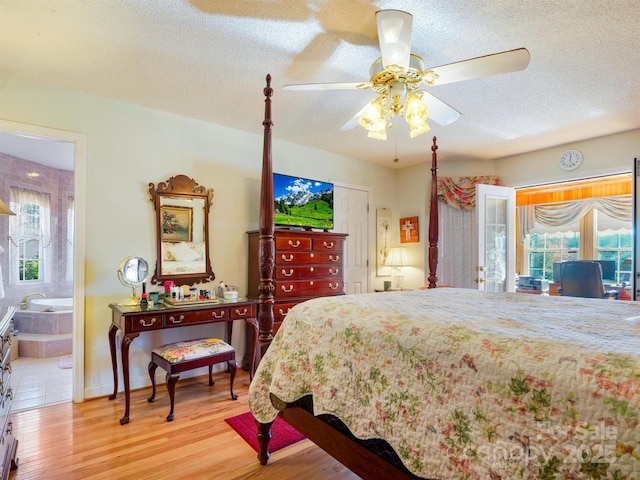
{"x": 302, "y": 202}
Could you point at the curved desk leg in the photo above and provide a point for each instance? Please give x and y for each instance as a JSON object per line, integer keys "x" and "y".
{"x": 114, "y": 363}
{"x": 126, "y": 342}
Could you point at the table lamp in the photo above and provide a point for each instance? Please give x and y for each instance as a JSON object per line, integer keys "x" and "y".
{"x": 397, "y": 258}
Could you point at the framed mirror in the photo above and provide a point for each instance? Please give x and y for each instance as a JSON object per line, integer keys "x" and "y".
{"x": 182, "y": 222}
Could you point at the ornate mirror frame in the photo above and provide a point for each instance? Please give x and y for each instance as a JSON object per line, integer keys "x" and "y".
{"x": 182, "y": 231}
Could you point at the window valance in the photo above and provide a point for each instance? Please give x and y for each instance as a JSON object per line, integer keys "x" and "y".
{"x": 460, "y": 192}
{"x": 558, "y": 214}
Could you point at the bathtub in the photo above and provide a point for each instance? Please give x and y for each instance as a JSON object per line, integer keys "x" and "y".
{"x": 51, "y": 304}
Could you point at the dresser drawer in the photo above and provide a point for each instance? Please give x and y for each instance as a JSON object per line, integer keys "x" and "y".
{"x": 292, "y": 243}
{"x": 312, "y": 271}
{"x": 179, "y": 319}
{"x": 305, "y": 258}
{"x": 297, "y": 288}
{"x": 146, "y": 322}
{"x": 327, "y": 244}
{"x": 280, "y": 309}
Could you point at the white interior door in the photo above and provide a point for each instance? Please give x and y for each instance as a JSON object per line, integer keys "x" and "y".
{"x": 496, "y": 222}
{"x": 351, "y": 216}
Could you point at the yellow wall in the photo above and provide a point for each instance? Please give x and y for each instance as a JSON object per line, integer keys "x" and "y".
{"x": 129, "y": 146}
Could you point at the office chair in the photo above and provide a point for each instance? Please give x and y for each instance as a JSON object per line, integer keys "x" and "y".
{"x": 583, "y": 278}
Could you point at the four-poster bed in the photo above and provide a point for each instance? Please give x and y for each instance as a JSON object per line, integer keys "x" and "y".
{"x": 450, "y": 383}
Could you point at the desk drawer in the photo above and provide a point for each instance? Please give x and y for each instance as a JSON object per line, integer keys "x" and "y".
{"x": 178, "y": 318}
{"x": 242, "y": 311}
{"x": 146, "y": 322}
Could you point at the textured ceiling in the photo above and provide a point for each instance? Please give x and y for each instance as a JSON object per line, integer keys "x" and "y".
{"x": 208, "y": 59}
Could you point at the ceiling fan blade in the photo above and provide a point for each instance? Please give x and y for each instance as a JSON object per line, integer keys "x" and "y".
{"x": 353, "y": 122}
{"x": 327, "y": 86}
{"x": 394, "y": 36}
{"x": 495, "y": 64}
{"x": 440, "y": 112}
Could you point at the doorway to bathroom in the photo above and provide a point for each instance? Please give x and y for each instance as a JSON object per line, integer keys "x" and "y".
{"x": 42, "y": 166}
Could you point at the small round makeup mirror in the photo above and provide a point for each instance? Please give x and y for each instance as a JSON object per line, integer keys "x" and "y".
{"x": 133, "y": 271}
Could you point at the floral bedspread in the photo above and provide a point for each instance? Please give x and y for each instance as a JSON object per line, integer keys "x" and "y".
{"x": 469, "y": 385}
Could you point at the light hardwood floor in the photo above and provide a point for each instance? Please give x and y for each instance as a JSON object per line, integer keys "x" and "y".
{"x": 86, "y": 440}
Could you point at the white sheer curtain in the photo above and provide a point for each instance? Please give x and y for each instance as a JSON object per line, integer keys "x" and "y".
{"x": 457, "y": 229}
{"x": 457, "y": 247}
{"x": 20, "y": 196}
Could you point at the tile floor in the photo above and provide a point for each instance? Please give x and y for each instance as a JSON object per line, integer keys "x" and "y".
{"x": 38, "y": 382}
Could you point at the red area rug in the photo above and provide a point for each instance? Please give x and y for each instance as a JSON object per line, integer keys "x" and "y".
{"x": 282, "y": 434}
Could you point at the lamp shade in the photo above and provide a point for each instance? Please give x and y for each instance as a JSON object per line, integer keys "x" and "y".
{"x": 397, "y": 257}
{"x": 394, "y": 35}
{"x": 4, "y": 210}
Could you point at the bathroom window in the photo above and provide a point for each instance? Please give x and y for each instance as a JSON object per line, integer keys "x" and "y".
{"x": 30, "y": 236}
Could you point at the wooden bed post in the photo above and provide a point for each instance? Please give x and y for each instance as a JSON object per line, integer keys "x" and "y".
{"x": 266, "y": 245}
{"x": 433, "y": 218}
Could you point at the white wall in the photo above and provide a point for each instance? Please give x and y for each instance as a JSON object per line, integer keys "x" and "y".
{"x": 128, "y": 147}
{"x": 602, "y": 156}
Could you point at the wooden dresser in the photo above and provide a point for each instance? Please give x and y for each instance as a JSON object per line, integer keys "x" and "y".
{"x": 307, "y": 265}
{"x": 8, "y": 443}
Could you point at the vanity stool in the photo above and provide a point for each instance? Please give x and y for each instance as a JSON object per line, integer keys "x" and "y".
{"x": 179, "y": 357}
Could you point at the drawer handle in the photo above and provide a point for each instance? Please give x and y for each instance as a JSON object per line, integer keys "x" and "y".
{"x": 219, "y": 314}
{"x": 290, "y": 259}
{"x": 334, "y": 272}
{"x": 242, "y": 313}
{"x": 334, "y": 287}
{"x": 334, "y": 259}
{"x": 281, "y": 312}
{"x": 294, "y": 245}
{"x": 9, "y": 429}
{"x": 173, "y": 319}
{"x": 145, "y": 324}
{"x": 328, "y": 244}
{"x": 287, "y": 290}
{"x": 284, "y": 272}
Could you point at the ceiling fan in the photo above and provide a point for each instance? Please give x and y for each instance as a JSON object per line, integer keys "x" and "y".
{"x": 398, "y": 75}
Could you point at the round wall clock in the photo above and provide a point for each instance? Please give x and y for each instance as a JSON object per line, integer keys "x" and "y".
{"x": 570, "y": 160}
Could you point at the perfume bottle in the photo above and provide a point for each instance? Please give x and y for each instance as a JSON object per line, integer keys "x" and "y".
{"x": 144, "y": 302}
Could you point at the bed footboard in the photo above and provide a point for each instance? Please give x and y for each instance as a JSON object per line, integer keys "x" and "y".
{"x": 340, "y": 445}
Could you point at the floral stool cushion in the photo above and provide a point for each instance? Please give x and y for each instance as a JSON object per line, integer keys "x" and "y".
{"x": 192, "y": 349}
{"x": 179, "y": 357}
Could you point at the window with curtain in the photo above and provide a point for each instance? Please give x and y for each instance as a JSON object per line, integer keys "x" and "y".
{"x": 551, "y": 233}
{"x": 30, "y": 236}
{"x": 614, "y": 241}
{"x": 545, "y": 246}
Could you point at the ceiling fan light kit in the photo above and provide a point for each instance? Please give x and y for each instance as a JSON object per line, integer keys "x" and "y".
{"x": 396, "y": 77}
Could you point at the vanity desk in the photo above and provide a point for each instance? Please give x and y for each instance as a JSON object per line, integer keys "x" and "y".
{"x": 132, "y": 320}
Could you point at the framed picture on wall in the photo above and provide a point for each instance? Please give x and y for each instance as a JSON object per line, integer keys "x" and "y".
{"x": 177, "y": 223}
{"x": 409, "y": 230}
{"x": 383, "y": 240}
